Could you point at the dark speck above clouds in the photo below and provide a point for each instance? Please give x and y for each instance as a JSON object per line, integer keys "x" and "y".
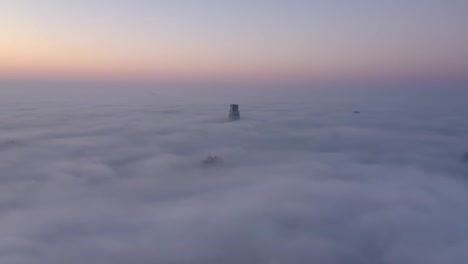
{"x": 299, "y": 182}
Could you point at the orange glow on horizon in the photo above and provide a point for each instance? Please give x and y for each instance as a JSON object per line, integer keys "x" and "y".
{"x": 28, "y": 52}
{"x": 166, "y": 40}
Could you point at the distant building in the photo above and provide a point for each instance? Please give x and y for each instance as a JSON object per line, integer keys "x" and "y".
{"x": 234, "y": 113}
{"x": 211, "y": 161}
{"x": 465, "y": 157}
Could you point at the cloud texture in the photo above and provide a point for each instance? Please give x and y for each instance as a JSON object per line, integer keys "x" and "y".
{"x": 299, "y": 183}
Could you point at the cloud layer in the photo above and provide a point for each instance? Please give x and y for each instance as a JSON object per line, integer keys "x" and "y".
{"x": 299, "y": 183}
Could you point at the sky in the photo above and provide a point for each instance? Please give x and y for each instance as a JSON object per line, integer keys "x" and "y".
{"x": 235, "y": 40}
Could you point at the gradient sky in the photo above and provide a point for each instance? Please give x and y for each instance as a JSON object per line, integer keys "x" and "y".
{"x": 234, "y": 39}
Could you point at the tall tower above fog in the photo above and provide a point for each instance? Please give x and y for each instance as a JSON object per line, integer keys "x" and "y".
{"x": 234, "y": 113}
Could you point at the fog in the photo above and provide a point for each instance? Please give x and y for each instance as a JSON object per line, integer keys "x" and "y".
{"x": 116, "y": 176}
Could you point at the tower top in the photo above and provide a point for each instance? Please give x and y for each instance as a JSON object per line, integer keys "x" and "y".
{"x": 234, "y": 107}
{"x": 234, "y": 112}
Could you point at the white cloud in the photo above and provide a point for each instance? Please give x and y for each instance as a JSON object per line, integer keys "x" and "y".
{"x": 124, "y": 183}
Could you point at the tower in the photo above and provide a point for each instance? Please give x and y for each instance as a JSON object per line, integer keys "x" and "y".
{"x": 234, "y": 114}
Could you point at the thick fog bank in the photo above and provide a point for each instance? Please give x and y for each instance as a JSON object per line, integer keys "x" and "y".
{"x": 299, "y": 181}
